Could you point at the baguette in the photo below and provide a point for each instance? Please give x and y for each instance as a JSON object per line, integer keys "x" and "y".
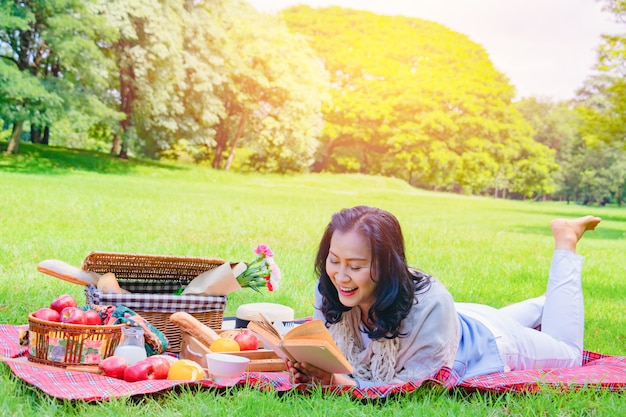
{"x": 67, "y": 272}
{"x": 194, "y": 327}
{"x": 107, "y": 284}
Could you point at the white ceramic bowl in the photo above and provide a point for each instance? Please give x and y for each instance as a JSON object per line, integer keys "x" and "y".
{"x": 226, "y": 369}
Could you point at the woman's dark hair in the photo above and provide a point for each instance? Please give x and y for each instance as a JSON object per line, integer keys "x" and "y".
{"x": 396, "y": 282}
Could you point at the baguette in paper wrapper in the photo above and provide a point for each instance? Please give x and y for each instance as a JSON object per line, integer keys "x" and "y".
{"x": 221, "y": 280}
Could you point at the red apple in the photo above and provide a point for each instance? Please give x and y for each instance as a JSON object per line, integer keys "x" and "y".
{"x": 140, "y": 371}
{"x": 49, "y": 314}
{"x": 72, "y": 315}
{"x": 63, "y": 301}
{"x": 92, "y": 317}
{"x": 113, "y": 366}
{"x": 161, "y": 366}
{"x": 247, "y": 340}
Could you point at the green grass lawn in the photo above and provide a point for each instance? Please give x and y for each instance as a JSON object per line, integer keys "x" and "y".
{"x": 62, "y": 204}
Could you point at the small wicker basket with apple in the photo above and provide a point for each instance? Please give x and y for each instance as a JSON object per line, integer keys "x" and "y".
{"x": 65, "y": 344}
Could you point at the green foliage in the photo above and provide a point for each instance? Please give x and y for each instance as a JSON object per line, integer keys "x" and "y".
{"x": 597, "y": 164}
{"x": 554, "y": 124}
{"x": 591, "y": 167}
{"x": 328, "y": 89}
{"x": 272, "y": 96}
{"x": 5, "y": 134}
{"x": 24, "y": 97}
{"x": 150, "y": 59}
{"x": 50, "y": 61}
{"x": 605, "y": 116}
{"x": 415, "y": 100}
{"x": 204, "y": 79}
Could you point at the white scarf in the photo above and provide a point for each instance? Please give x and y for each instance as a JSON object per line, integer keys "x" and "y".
{"x": 383, "y": 352}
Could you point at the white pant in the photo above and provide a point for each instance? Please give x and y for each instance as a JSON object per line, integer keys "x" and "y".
{"x": 560, "y": 312}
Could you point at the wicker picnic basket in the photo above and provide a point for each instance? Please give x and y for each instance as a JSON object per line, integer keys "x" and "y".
{"x": 152, "y": 281}
{"x": 64, "y": 344}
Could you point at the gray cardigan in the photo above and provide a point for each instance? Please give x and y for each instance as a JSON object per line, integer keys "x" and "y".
{"x": 431, "y": 342}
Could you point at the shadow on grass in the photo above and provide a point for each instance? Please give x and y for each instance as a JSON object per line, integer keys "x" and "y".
{"x": 43, "y": 159}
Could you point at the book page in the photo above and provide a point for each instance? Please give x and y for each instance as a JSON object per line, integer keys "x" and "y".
{"x": 314, "y": 329}
{"x": 266, "y": 329}
{"x": 268, "y": 335}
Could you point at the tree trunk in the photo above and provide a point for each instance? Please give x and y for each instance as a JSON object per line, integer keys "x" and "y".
{"x": 233, "y": 145}
{"x": 124, "y": 150}
{"x": 46, "y": 136}
{"x": 221, "y": 138}
{"x": 115, "y": 146}
{"x": 127, "y": 97}
{"x": 14, "y": 143}
{"x": 325, "y": 155}
{"x": 365, "y": 161}
{"x": 329, "y": 147}
{"x": 35, "y": 134}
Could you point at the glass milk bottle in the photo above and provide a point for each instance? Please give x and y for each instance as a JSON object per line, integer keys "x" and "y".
{"x": 132, "y": 346}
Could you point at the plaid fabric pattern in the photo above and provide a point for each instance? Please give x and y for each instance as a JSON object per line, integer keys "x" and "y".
{"x": 600, "y": 372}
{"x": 10, "y": 341}
{"x": 165, "y": 303}
{"x": 607, "y": 372}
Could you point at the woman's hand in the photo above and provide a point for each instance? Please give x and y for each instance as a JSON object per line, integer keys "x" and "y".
{"x": 304, "y": 373}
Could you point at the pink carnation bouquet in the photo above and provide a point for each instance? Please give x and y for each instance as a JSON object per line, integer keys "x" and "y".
{"x": 262, "y": 271}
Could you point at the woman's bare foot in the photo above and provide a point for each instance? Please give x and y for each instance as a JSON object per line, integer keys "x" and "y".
{"x": 568, "y": 232}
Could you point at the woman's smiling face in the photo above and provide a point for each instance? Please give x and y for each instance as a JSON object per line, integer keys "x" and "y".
{"x": 349, "y": 266}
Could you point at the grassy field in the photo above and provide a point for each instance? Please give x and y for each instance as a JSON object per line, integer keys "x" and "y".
{"x": 62, "y": 204}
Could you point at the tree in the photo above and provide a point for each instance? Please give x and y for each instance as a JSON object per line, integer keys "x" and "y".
{"x": 557, "y": 125}
{"x": 592, "y": 168}
{"x": 272, "y": 96}
{"x": 201, "y": 79}
{"x": 415, "y": 100}
{"x": 554, "y": 123}
{"x": 23, "y": 98}
{"x": 148, "y": 51}
{"x": 609, "y": 119}
{"x": 205, "y": 69}
{"x": 593, "y": 164}
{"x": 53, "y": 44}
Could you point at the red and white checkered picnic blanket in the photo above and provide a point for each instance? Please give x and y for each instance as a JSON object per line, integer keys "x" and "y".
{"x": 600, "y": 372}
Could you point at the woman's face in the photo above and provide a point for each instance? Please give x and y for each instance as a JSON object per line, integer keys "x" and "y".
{"x": 349, "y": 267}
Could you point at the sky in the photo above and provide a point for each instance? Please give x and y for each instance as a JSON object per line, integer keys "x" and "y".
{"x": 547, "y": 48}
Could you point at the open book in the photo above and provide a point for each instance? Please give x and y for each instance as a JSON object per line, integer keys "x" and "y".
{"x": 309, "y": 342}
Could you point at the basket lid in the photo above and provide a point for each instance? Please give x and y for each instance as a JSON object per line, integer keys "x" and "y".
{"x": 276, "y": 312}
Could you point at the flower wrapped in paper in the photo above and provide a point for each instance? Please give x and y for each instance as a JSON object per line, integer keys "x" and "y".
{"x": 224, "y": 279}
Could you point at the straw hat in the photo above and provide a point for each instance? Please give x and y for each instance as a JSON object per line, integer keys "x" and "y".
{"x": 276, "y": 312}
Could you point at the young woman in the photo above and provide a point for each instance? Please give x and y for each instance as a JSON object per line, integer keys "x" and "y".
{"x": 396, "y": 324}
